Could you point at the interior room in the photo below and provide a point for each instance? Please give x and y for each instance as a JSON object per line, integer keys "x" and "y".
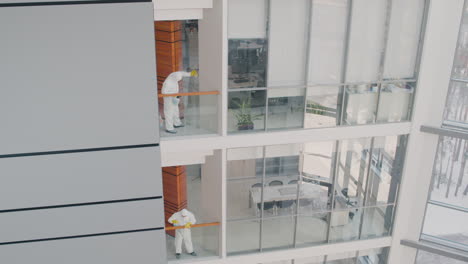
{"x": 189, "y": 187}
{"x": 297, "y": 195}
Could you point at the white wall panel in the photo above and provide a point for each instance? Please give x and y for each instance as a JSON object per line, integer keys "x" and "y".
{"x": 141, "y": 248}
{"x": 366, "y": 40}
{"x": 77, "y": 76}
{"x": 79, "y": 177}
{"x": 402, "y": 47}
{"x": 287, "y": 42}
{"x": 81, "y": 220}
{"x": 327, "y": 35}
{"x": 247, "y": 19}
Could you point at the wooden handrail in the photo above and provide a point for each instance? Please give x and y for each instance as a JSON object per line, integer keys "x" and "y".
{"x": 197, "y": 225}
{"x": 187, "y": 94}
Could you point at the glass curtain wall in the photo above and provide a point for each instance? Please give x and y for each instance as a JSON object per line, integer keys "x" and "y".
{"x": 295, "y": 195}
{"x": 316, "y": 63}
{"x": 447, "y": 207}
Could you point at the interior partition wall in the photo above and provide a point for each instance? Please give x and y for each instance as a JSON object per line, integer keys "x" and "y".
{"x": 314, "y": 63}
{"x": 298, "y": 195}
{"x": 79, "y": 156}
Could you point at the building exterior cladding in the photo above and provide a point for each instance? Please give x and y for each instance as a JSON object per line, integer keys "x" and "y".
{"x": 327, "y": 97}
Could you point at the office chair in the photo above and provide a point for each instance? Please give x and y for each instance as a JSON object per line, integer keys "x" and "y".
{"x": 275, "y": 183}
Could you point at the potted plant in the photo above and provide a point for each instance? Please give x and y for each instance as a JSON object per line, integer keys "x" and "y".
{"x": 244, "y": 115}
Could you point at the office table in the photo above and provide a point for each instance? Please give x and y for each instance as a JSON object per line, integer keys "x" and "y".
{"x": 286, "y": 193}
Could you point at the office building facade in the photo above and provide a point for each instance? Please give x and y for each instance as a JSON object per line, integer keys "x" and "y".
{"x": 311, "y": 131}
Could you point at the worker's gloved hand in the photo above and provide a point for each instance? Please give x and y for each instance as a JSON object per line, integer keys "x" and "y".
{"x": 175, "y": 222}
{"x": 194, "y": 73}
{"x": 188, "y": 225}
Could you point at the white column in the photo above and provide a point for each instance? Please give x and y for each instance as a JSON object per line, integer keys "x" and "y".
{"x": 436, "y": 65}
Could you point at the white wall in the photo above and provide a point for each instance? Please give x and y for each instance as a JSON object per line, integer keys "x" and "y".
{"x": 74, "y": 79}
{"x": 287, "y": 42}
{"x": 69, "y": 82}
{"x": 247, "y": 18}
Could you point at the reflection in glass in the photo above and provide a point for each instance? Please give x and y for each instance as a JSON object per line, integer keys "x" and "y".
{"x": 386, "y": 169}
{"x": 377, "y": 221}
{"x": 456, "y": 108}
{"x": 246, "y": 111}
{"x": 243, "y": 237}
{"x": 450, "y": 184}
{"x": 460, "y": 69}
{"x": 350, "y": 184}
{"x": 395, "y": 102}
{"x": 360, "y": 104}
{"x": 322, "y": 106}
{"x": 247, "y": 63}
{"x": 285, "y": 108}
{"x": 277, "y": 233}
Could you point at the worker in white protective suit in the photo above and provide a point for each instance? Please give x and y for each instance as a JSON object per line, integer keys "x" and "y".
{"x": 171, "y": 103}
{"x": 186, "y": 219}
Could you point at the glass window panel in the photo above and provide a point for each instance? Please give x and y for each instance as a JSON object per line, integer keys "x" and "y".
{"x": 450, "y": 174}
{"x": 360, "y": 104}
{"x": 317, "y": 176}
{"x": 345, "y": 225}
{"x": 403, "y": 39}
{"x": 198, "y": 114}
{"x": 456, "y": 108}
{"x": 245, "y": 163}
{"x": 447, "y": 224}
{"x": 377, "y": 221}
{"x": 460, "y": 69}
{"x": 350, "y": 183}
{"x": 425, "y": 257}
{"x": 287, "y": 42}
{"x": 395, "y": 102}
{"x": 247, "y": 63}
{"x": 386, "y": 169}
{"x": 285, "y": 108}
{"x": 278, "y": 233}
{"x": 244, "y": 198}
{"x": 323, "y": 106}
{"x": 243, "y": 237}
{"x": 246, "y": 111}
{"x": 327, "y": 33}
{"x": 312, "y": 229}
{"x": 366, "y": 42}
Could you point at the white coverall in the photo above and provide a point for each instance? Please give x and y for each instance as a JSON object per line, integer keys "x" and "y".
{"x": 183, "y": 217}
{"x": 171, "y": 104}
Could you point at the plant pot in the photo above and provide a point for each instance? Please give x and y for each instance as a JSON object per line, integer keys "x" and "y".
{"x": 245, "y": 126}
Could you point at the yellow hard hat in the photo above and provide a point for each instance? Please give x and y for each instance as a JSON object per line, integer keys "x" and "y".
{"x": 194, "y": 73}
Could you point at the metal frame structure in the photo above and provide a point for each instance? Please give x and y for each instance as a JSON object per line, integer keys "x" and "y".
{"x": 329, "y": 210}
{"x": 341, "y": 107}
